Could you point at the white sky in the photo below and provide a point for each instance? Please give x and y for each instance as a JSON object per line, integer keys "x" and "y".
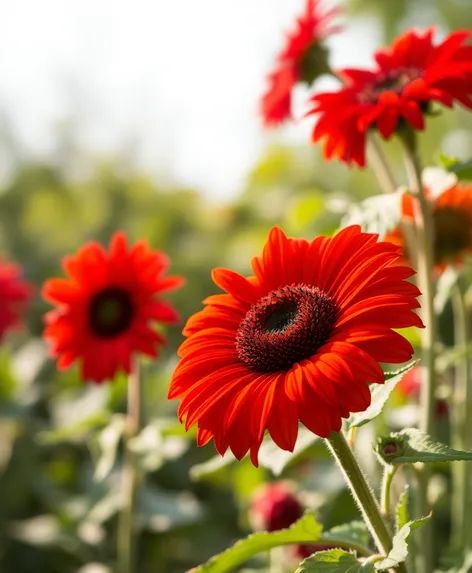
{"x": 181, "y": 77}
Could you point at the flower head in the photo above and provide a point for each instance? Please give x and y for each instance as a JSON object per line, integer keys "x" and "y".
{"x": 452, "y": 215}
{"x": 275, "y": 506}
{"x": 14, "y": 294}
{"x": 408, "y": 76}
{"x": 303, "y": 59}
{"x": 299, "y": 340}
{"x": 106, "y": 306}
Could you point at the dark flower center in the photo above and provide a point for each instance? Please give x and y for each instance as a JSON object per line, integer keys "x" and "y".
{"x": 111, "y": 312}
{"x": 393, "y": 81}
{"x": 285, "y": 327}
{"x": 453, "y": 233}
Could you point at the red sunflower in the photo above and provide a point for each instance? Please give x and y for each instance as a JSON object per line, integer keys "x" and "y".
{"x": 14, "y": 294}
{"x": 409, "y": 75}
{"x": 452, "y": 215}
{"x": 303, "y": 59}
{"x": 298, "y": 341}
{"x": 106, "y": 306}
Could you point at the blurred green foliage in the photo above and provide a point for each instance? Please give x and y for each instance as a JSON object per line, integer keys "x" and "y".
{"x": 56, "y": 516}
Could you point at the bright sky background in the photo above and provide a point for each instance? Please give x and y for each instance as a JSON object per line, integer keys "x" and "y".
{"x": 180, "y": 77}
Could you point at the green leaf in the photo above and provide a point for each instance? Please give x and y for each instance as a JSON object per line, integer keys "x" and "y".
{"x": 380, "y": 395}
{"x": 106, "y": 446}
{"x": 305, "y": 530}
{"x": 354, "y": 532}
{"x": 401, "y": 513}
{"x": 334, "y": 561}
{"x": 412, "y": 445}
{"x": 399, "y": 551}
{"x": 462, "y": 169}
{"x": 75, "y": 432}
{"x": 444, "y": 286}
{"x": 211, "y": 466}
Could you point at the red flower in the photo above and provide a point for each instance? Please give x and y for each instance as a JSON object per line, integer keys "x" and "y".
{"x": 14, "y": 293}
{"x": 274, "y": 506}
{"x": 452, "y": 215}
{"x": 302, "y": 59}
{"x": 106, "y": 305}
{"x": 408, "y": 77}
{"x": 300, "y": 340}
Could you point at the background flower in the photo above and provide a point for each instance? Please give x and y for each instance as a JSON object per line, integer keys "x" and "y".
{"x": 409, "y": 76}
{"x": 302, "y": 59}
{"x": 106, "y": 306}
{"x": 14, "y": 294}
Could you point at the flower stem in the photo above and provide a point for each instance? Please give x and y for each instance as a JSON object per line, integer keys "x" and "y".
{"x": 461, "y": 426}
{"x": 362, "y": 493}
{"x": 380, "y": 166}
{"x": 387, "y": 479}
{"x": 126, "y": 534}
{"x": 424, "y": 223}
{"x": 425, "y": 243}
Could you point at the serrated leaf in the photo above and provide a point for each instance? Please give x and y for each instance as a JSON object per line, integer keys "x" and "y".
{"x": 305, "y": 530}
{"x": 415, "y": 446}
{"x": 399, "y": 551}
{"x": 106, "y": 446}
{"x": 354, "y": 532}
{"x": 401, "y": 513}
{"x": 380, "y": 395}
{"x": 376, "y": 214}
{"x": 334, "y": 561}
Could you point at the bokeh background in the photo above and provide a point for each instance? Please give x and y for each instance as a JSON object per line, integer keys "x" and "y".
{"x": 143, "y": 116}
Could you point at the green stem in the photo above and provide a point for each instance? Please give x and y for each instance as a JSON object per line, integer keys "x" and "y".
{"x": 424, "y": 223}
{"x": 387, "y": 479}
{"x": 461, "y": 426}
{"x": 425, "y": 243}
{"x": 380, "y": 166}
{"x": 362, "y": 493}
{"x": 126, "y": 549}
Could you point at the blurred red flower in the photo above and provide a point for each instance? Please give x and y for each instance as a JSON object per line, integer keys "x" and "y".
{"x": 302, "y": 59}
{"x": 105, "y": 307}
{"x": 409, "y": 76}
{"x": 275, "y": 506}
{"x": 14, "y": 294}
{"x": 300, "y": 340}
{"x": 452, "y": 214}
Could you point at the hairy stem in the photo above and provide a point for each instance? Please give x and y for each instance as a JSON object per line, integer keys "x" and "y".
{"x": 362, "y": 493}
{"x": 387, "y": 479}
{"x": 126, "y": 533}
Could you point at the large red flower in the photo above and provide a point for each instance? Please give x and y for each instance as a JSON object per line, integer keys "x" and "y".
{"x": 106, "y": 306}
{"x": 409, "y": 75}
{"x": 452, "y": 215}
{"x": 299, "y": 340}
{"x": 14, "y": 293}
{"x": 302, "y": 59}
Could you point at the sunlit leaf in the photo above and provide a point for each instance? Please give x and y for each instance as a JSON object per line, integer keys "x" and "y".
{"x": 377, "y": 214}
{"x": 401, "y": 512}
{"x": 444, "y": 285}
{"x": 380, "y": 395}
{"x": 334, "y": 561}
{"x": 353, "y": 532}
{"x": 305, "y": 530}
{"x": 399, "y": 551}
